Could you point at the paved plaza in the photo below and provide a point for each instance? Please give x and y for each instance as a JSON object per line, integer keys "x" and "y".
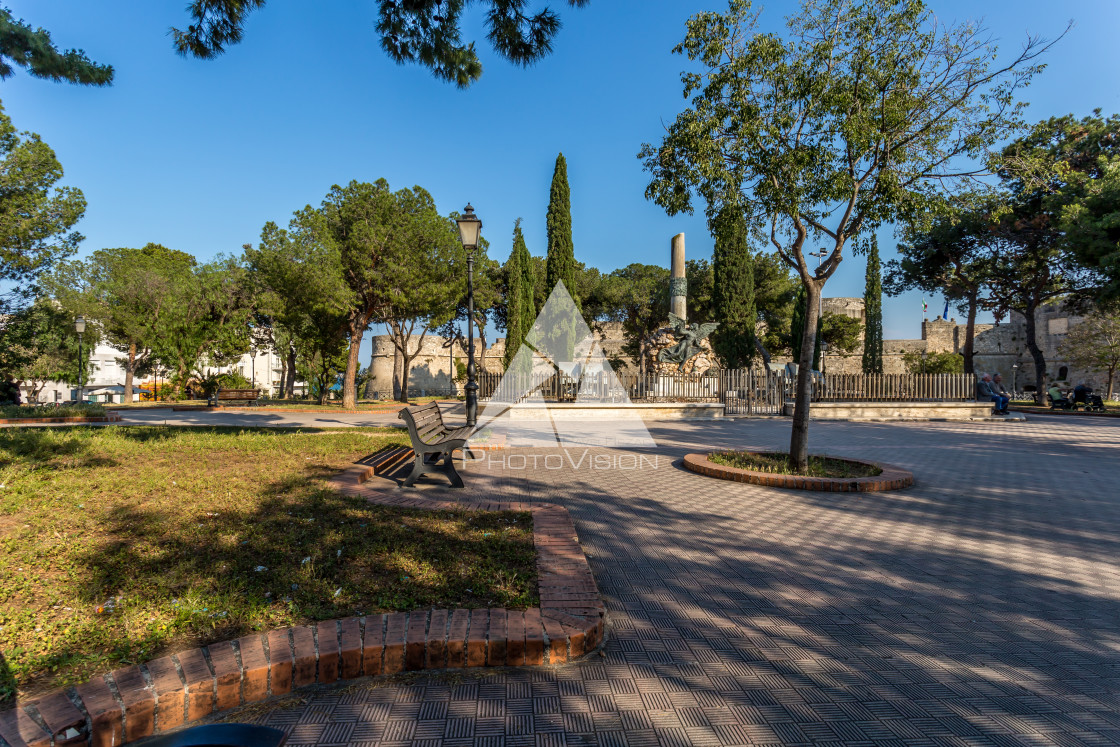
{"x": 981, "y": 606}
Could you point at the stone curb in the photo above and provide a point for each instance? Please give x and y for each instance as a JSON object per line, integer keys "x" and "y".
{"x": 178, "y": 690}
{"x": 110, "y": 418}
{"x": 891, "y": 478}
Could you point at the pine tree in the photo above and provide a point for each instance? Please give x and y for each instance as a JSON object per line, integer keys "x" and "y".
{"x": 520, "y": 307}
{"x": 873, "y": 312}
{"x": 561, "y": 261}
{"x": 733, "y": 293}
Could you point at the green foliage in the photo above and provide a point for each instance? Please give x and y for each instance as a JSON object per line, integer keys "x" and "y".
{"x": 520, "y": 284}
{"x": 700, "y": 277}
{"x": 38, "y": 344}
{"x": 851, "y": 120}
{"x": 933, "y": 363}
{"x": 67, "y": 410}
{"x": 36, "y": 215}
{"x": 733, "y": 290}
{"x": 426, "y": 32}
{"x": 34, "y": 50}
{"x": 1094, "y": 344}
{"x": 775, "y": 292}
{"x": 560, "y": 260}
{"x": 637, "y": 296}
{"x": 839, "y": 332}
{"x": 872, "y": 362}
{"x": 1070, "y": 169}
{"x": 204, "y": 313}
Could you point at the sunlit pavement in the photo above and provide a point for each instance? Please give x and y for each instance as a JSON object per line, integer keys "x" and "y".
{"x": 981, "y": 606}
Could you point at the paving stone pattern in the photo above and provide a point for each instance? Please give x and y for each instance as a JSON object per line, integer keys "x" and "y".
{"x": 981, "y": 606}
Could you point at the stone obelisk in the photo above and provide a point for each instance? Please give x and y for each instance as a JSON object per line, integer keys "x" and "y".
{"x": 678, "y": 286}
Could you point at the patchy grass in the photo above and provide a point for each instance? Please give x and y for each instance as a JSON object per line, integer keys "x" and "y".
{"x": 778, "y": 464}
{"x": 84, "y": 409}
{"x": 120, "y": 545}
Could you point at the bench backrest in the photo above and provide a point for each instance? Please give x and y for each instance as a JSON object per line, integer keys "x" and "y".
{"x": 236, "y": 394}
{"x": 424, "y": 422}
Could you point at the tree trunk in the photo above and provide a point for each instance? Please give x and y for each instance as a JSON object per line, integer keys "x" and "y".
{"x": 291, "y": 390}
{"x": 406, "y": 364}
{"x": 1111, "y": 376}
{"x": 1037, "y": 356}
{"x": 283, "y": 377}
{"x": 967, "y": 350}
{"x": 799, "y": 437}
{"x": 763, "y": 352}
{"x": 128, "y": 373}
{"x": 350, "y": 380}
{"x": 396, "y": 373}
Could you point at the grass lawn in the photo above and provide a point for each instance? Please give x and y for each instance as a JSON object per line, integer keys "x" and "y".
{"x": 75, "y": 410}
{"x": 119, "y": 545}
{"x": 778, "y": 464}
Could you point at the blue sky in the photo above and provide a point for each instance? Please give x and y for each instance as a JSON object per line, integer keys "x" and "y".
{"x": 197, "y": 155}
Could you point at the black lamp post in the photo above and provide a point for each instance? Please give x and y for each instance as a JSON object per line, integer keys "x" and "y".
{"x": 469, "y": 229}
{"x": 80, "y": 327}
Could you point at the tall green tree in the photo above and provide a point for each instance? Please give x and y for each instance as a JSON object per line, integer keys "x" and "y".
{"x": 1070, "y": 168}
{"x": 34, "y": 50}
{"x": 428, "y": 32}
{"x": 520, "y": 304}
{"x": 419, "y": 278}
{"x": 873, "y": 311}
{"x": 38, "y": 344}
{"x": 700, "y": 279}
{"x": 848, "y": 121}
{"x": 36, "y": 215}
{"x": 733, "y": 290}
{"x": 205, "y": 318}
{"x": 560, "y": 259}
{"x": 295, "y": 277}
{"x": 947, "y": 256}
{"x": 127, "y": 291}
{"x": 637, "y": 296}
{"x": 1094, "y": 344}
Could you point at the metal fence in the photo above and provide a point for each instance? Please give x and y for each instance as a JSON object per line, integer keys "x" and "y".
{"x": 742, "y": 391}
{"x": 894, "y": 387}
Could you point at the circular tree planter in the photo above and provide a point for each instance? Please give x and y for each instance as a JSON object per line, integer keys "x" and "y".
{"x": 891, "y": 478}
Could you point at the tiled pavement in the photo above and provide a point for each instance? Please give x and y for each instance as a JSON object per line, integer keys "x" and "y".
{"x": 981, "y": 606}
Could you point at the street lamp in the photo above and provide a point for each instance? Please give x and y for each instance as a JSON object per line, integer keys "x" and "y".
{"x": 80, "y": 327}
{"x": 819, "y": 254}
{"x": 469, "y": 229}
{"x": 1014, "y": 377}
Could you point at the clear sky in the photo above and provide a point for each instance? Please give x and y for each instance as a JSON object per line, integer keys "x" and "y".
{"x": 198, "y": 155}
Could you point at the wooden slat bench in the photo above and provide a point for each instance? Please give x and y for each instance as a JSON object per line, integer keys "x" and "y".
{"x": 432, "y": 443}
{"x": 249, "y": 396}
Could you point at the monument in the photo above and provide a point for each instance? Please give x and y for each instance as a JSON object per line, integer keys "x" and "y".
{"x": 679, "y": 347}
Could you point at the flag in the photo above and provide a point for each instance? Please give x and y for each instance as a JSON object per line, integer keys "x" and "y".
{"x": 925, "y": 306}
{"x": 945, "y": 315}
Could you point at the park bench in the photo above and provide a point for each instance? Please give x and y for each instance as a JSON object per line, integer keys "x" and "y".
{"x": 249, "y": 396}
{"x": 433, "y": 442}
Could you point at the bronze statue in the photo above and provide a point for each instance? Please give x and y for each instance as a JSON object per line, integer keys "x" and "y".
{"x": 689, "y": 337}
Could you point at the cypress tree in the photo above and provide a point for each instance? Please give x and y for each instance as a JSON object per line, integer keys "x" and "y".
{"x": 521, "y": 309}
{"x": 873, "y": 312}
{"x": 561, "y": 260}
{"x": 733, "y": 291}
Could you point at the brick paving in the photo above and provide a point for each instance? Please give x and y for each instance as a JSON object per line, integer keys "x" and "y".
{"x": 981, "y": 606}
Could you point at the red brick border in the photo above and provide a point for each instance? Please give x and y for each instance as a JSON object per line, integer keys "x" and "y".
{"x": 135, "y": 702}
{"x": 891, "y": 478}
{"x": 110, "y": 418}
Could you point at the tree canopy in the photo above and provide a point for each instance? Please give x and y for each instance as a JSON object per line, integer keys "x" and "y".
{"x": 855, "y": 118}
{"x": 35, "y": 51}
{"x": 36, "y": 215}
{"x": 429, "y": 32}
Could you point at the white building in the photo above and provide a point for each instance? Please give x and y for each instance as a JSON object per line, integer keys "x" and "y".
{"x": 106, "y": 379}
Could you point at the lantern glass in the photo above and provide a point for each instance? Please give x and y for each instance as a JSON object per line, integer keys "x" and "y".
{"x": 470, "y": 227}
{"x": 80, "y": 325}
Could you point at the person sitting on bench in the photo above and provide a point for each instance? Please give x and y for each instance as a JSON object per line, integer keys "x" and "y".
{"x": 984, "y": 392}
{"x": 1081, "y": 393}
